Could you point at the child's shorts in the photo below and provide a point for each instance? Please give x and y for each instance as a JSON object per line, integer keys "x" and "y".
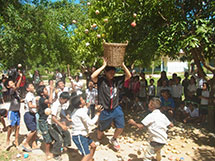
{"x": 44, "y": 128}
{"x": 13, "y": 118}
{"x": 108, "y": 116}
{"x": 30, "y": 121}
{"x": 82, "y": 142}
{"x": 153, "y": 151}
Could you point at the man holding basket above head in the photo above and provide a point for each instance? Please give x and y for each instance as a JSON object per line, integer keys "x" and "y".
{"x": 108, "y": 97}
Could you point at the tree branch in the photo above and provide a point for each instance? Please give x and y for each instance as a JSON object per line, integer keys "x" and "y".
{"x": 206, "y": 65}
{"x": 162, "y": 16}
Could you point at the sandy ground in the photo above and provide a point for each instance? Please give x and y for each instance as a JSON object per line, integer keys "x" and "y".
{"x": 185, "y": 142}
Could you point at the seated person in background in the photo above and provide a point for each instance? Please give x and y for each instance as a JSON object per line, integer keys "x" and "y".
{"x": 180, "y": 113}
{"x": 167, "y": 104}
{"x": 193, "y": 114}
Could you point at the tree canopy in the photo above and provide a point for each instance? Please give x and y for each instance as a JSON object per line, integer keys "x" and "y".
{"x": 53, "y": 34}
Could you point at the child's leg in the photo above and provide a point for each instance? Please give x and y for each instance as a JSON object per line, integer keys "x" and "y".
{"x": 9, "y": 131}
{"x": 28, "y": 139}
{"x": 47, "y": 150}
{"x": 56, "y": 136}
{"x": 158, "y": 155}
{"x": 92, "y": 149}
{"x": 34, "y": 144}
{"x": 89, "y": 157}
{"x": 99, "y": 134}
{"x": 17, "y": 135}
{"x": 66, "y": 138}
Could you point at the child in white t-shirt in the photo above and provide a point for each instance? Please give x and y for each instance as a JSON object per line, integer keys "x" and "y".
{"x": 205, "y": 94}
{"x": 157, "y": 124}
{"x": 30, "y": 118}
{"x": 81, "y": 123}
{"x": 91, "y": 98}
{"x": 193, "y": 114}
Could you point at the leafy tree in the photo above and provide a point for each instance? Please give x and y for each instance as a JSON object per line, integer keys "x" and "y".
{"x": 38, "y": 34}
{"x": 190, "y": 27}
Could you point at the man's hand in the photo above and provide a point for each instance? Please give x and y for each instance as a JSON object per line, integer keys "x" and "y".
{"x": 70, "y": 78}
{"x": 64, "y": 127}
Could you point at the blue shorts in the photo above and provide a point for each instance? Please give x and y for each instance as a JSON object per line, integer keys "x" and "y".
{"x": 83, "y": 143}
{"x": 30, "y": 121}
{"x": 13, "y": 118}
{"x": 108, "y": 116}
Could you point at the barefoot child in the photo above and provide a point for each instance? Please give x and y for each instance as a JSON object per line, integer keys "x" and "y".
{"x": 157, "y": 124}
{"x": 57, "y": 129}
{"x": 30, "y": 118}
{"x": 80, "y": 128}
{"x": 13, "y": 112}
{"x": 44, "y": 103}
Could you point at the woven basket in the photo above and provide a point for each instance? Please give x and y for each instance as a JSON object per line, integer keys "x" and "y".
{"x": 114, "y": 52}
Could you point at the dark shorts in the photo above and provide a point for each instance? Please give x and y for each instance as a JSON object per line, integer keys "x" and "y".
{"x": 108, "y": 116}
{"x": 82, "y": 142}
{"x": 30, "y": 121}
{"x": 14, "y": 118}
{"x": 3, "y": 112}
{"x": 203, "y": 110}
{"x": 44, "y": 128}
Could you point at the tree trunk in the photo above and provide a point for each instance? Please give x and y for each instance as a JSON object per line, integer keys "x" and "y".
{"x": 198, "y": 64}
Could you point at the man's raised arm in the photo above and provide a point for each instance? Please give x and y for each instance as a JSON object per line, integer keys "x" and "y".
{"x": 95, "y": 74}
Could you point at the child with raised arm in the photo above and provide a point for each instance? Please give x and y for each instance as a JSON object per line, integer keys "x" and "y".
{"x": 157, "y": 124}
{"x": 44, "y": 103}
{"x": 81, "y": 123}
{"x": 57, "y": 129}
{"x": 14, "y": 110}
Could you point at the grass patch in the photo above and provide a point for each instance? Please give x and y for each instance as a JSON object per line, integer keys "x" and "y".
{"x": 6, "y": 155}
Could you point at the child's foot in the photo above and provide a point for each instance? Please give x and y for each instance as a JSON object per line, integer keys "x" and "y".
{"x": 15, "y": 143}
{"x": 115, "y": 143}
{"x": 35, "y": 146}
{"x": 26, "y": 149}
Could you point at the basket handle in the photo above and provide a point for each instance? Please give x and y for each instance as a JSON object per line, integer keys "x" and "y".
{"x": 125, "y": 42}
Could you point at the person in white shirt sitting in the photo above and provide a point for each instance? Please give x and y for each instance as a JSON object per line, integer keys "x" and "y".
{"x": 193, "y": 114}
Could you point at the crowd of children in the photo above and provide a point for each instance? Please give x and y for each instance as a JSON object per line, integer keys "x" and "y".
{"x": 173, "y": 93}
{"x": 53, "y": 109}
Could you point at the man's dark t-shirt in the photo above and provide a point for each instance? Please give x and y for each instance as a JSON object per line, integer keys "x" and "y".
{"x": 108, "y": 91}
{"x": 42, "y": 107}
{"x": 15, "y": 100}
